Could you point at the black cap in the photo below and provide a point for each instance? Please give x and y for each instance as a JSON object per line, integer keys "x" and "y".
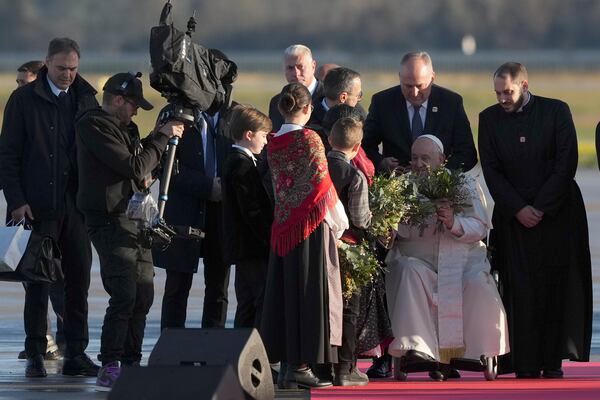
{"x": 128, "y": 85}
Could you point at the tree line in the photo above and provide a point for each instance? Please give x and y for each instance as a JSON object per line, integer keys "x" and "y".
{"x": 346, "y": 25}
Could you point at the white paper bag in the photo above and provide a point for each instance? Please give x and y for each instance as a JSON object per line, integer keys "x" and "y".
{"x": 13, "y": 241}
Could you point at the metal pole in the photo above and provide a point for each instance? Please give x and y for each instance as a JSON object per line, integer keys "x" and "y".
{"x": 166, "y": 176}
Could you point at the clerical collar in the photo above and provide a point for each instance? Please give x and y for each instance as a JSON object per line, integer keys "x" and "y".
{"x": 55, "y": 90}
{"x": 311, "y": 88}
{"x": 525, "y": 102}
{"x": 246, "y": 151}
{"x": 285, "y": 128}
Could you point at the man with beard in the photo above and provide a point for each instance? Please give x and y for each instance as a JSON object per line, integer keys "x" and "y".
{"x": 528, "y": 150}
{"x": 113, "y": 163}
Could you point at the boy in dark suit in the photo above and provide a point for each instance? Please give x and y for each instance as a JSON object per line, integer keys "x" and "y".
{"x": 352, "y": 188}
{"x": 247, "y": 214}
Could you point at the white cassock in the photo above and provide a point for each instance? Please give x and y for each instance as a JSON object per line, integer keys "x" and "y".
{"x": 441, "y": 298}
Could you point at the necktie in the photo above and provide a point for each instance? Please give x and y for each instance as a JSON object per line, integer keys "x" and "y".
{"x": 209, "y": 156}
{"x": 417, "y": 123}
{"x": 62, "y": 94}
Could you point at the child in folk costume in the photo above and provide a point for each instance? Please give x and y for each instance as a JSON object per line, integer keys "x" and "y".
{"x": 302, "y": 313}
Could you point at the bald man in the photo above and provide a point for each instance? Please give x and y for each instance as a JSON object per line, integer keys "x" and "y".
{"x": 442, "y": 301}
{"x": 402, "y": 113}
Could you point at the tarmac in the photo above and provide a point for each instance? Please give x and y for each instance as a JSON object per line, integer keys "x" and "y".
{"x": 14, "y": 385}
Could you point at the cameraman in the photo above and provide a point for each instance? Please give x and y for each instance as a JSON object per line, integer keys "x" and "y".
{"x": 113, "y": 162}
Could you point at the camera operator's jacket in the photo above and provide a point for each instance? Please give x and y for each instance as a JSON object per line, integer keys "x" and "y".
{"x": 112, "y": 161}
{"x": 38, "y": 163}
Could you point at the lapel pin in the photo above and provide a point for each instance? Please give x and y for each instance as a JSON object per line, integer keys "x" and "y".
{"x": 434, "y": 109}
{"x": 522, "y": 139}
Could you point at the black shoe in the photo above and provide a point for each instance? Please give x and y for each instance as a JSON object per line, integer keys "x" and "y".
{"x": 302, "y": 377}
{"x": 416, "y": 356}
{"x": 438, "y": 376}
{"x": 381, "y": 368}
{"x": 444, "y": 373}
{"x": 528, "y": 374}
{"x": 22, "y": 355}
{"x": 35, "y": 367}
{"x": 323, "y": 371}
{"x": 80, "y": 365}
{"x": 553, "y": 373}
{"x": 53, "y": 355}
{"x": 350, "y": 378}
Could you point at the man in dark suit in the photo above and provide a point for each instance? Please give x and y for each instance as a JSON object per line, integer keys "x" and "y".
{"x": 400, "y": 114}
{"x": 340, "y": 86}
{"x": 38, "y": 170}
{"x": 299, "y": 66}
{"x": 195, "y": 200}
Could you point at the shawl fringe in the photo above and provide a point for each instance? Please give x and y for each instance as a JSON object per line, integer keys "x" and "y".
{"x": 284, "y": 238}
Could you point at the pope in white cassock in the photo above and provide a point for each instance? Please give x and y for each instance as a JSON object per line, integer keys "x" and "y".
{"x": 442, "y": 301}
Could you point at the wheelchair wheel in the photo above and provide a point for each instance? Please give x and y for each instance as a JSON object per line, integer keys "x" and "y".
{"x": 399, "y": 375}
{"x": 491, "y": 367}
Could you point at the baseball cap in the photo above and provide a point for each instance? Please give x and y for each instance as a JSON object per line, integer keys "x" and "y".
{"x": 128, "y": 85}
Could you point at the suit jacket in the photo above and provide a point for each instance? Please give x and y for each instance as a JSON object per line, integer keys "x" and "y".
{"x": 189, "y": 192}
{"x": 276, "y": 116}
{"x": 247, "y": 210}
{"x": 388, "y": 123}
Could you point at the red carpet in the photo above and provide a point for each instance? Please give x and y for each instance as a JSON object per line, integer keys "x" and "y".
{"x": 581, "y": 381}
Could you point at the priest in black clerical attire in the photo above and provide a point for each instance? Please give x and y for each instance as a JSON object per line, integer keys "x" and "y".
{"x": 528, "y": 151}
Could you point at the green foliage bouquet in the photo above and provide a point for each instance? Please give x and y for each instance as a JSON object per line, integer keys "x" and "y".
{"x": 410, "y": 199}
{"x": 424, "y": 192}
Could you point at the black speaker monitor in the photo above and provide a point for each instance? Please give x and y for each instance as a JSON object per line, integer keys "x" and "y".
{"x": 243, "y": 349}
{"x": 182, "y": 383}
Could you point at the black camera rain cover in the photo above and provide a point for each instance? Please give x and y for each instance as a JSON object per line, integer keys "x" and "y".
{"x": 187, "y": 72}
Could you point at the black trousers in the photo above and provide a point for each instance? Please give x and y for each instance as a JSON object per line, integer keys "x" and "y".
{"x": 72, "y": 238}
{"x": 250, "y": 280}
{"x": 127, "y": 275}
{"x": 56, "y": 294}
{"x": 216, "y": 281}
{"x": 346, "y": 352}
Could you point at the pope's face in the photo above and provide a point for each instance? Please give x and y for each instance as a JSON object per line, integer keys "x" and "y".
{"x": 510, "y": 94}
{"x": 425, "y": 156}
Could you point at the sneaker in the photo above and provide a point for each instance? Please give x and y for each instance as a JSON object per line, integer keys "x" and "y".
{"x": 53, "y": 355}
{"x": 107, "y": 376}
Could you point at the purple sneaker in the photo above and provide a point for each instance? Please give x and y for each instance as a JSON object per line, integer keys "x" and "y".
{"x": 107, "y": 376}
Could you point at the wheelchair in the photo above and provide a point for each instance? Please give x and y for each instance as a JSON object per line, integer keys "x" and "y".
{"x": 441, "y": 372}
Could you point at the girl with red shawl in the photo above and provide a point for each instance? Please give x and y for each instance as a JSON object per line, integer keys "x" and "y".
{"x": 302, "y": 311}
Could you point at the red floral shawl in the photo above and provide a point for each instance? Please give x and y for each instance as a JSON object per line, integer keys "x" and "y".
{"x": 303, "y": 188}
